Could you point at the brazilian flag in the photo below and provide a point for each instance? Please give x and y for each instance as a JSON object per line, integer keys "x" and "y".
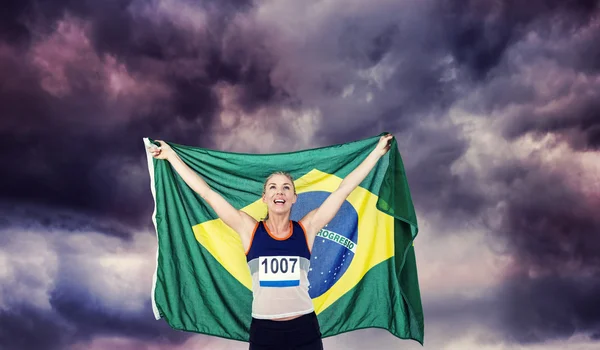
{"x": 363, "y": 271}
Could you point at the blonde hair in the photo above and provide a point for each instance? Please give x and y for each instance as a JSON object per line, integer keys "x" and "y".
{"x": 284, "y": 173}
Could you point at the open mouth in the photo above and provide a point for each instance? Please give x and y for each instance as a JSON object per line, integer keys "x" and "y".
{"x": 279, "y": 201}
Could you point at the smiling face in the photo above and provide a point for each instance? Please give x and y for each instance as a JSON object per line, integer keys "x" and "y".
{"x": 279, "y": 193}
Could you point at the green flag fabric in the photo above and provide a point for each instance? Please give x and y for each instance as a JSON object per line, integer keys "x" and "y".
{"x": 363, "y": 271}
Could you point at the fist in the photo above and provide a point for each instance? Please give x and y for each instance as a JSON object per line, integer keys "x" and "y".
{"x": 162, "y": 152}
{"x": 384, "y": 144}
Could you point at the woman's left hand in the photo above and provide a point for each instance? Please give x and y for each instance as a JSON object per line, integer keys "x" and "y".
{"x": 385, "y": 142}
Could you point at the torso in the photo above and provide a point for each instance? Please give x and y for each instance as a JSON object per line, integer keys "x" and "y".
{"x": 267, "y": 255}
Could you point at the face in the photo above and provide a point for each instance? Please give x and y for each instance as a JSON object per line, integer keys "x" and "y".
{"x": 279, "y": 194}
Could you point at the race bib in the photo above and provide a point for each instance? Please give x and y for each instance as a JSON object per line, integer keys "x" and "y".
{"x": 279, "y": 271}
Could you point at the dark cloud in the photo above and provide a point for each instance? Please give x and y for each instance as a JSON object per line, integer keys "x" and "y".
{"x": 551, "y": 307}
{"x": 476, "y": 42}
{"x": 75, "y": 146}
{"x": 576, "y": 121}
{"x": 480, "y": 32}
{"x": 24, "y": 216}
{"x": 462, "y": 46}
{"x": 531, "y": 66}
{"x": 373, "y": 47}
{"x": 13, "y": 28}
{"x": 436, "y": 188}
{"x": 98, "y": 308}
{"x": 27, "y": 328}
{"x": 551, "y": 231}
{"x": 550, "y": 225}
{"x": 80, "y": 307}
{"x": 76, "y": 317}
{"x": 70, "y": 139}
{"x": 66, "y": 285}
{"x": 405, "y": 73}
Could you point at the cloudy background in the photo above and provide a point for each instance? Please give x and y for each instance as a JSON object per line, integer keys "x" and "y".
{"x": 495, "y": 105}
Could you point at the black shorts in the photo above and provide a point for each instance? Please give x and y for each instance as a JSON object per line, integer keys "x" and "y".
{"x": 301, "y": 333}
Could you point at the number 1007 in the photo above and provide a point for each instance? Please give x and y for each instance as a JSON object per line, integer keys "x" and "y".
{"x": 279, "y": 265}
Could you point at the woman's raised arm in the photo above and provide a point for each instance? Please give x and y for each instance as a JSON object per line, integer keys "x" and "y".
{"x": 238, "y": 220}
{"x": 315, "y": 220}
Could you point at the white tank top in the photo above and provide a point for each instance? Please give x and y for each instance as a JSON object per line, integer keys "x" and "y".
{"x": 279, "y": 268}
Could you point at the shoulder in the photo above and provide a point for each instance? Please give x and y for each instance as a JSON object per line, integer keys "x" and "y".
{"x": 298, "y": 225}
{"x": 248, "y": 220}
{"x": 305, "y": 221}
{"x": 249, "y": 225}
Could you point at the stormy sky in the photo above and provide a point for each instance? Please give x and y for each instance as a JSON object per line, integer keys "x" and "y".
{"x": 495, "y": 105}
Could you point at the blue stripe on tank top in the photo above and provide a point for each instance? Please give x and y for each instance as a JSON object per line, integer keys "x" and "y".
{"x": 291, "y": 283}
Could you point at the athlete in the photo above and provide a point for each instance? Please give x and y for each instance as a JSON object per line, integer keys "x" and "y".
{"x": 278, "y": 249}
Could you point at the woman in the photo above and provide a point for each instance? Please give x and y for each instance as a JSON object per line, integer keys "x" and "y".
{"x": 278, "y": 249}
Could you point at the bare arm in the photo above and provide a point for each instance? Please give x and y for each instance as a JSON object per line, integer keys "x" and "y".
{"x": 238, "y": 220}
{"x": 317, "y": 219}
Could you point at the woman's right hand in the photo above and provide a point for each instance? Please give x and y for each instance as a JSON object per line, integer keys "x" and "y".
{"x": 164, "y": 152}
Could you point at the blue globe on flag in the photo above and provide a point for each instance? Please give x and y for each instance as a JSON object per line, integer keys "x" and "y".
{"x": 334, "y": 246}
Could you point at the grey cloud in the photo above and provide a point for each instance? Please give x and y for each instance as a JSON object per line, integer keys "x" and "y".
{"x": 76, "y": 319}
{"x": 480, "y": 32}
{"x": 61, "y": 287}
{"x": 80, "y": 307}
{"x": 577, "y": 122}
{"x": 551, "y": 231}
{"x": 539, "y": 80}
{"x": 70, "y": 150}
{"x": 27, "y": 328}
{"x": 549, "y": 225}
{"x": 80, "y": 152}
{"x": 23, "y": 216}
{"x": 552, "y": 307}
{"x": 435, "y": 188}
